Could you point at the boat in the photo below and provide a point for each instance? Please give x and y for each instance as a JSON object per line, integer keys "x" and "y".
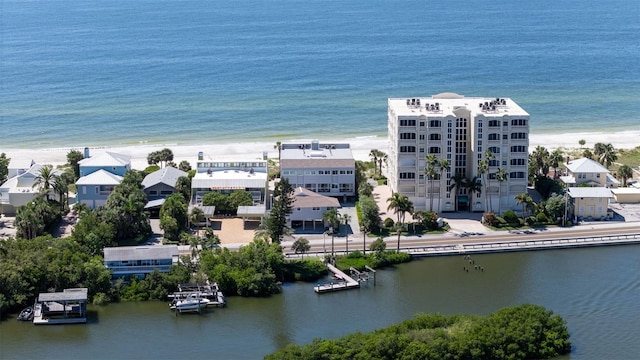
{"x": 192, "y": 302}
{"x": 26, "y": 314}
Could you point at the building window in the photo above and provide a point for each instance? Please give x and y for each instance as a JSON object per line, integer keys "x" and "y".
{"x": 516, "y": 175}
{"x": 519, "y": 149}
{"x": 97, "y": 190}
{"x": 435, "y": 123}
{"x": 434, "y": 150}
{"x": 435, "y": 137}
{"x": 421, "y": 123}
{"x": 408, "y": 136}
{"x": 334, "y": 172}
{"x": 518, "y": 162}
{"x": 494, "y": 149}
{"x": 421, "y": 136}
{"x": 494, "y": 162}
{"x": 505, "y": 123}
{"x": 153, "y": 192}
{"x": 421, "y": 150}
{"x": 519, "y": 122}
{"x": 166, "y": 192}
{"x": 518, "y": 135}
{"x": 494, "y": 136}
{"x": 407, "y": 123}
{"x": 494, "y": 123}
{"x": 407, "y": 149}
{"x": 407, "y": 175}
{"x": 505, "y": 137}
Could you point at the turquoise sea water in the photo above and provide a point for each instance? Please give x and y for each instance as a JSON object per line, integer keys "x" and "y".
{"x": 88, "y": 73}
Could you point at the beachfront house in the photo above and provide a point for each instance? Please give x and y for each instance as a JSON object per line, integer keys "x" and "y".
{"x": 95, "y": 188}
{"x": 324, "y": 168}
{"x": 19, "y": 166}
{"x": 227, "y": 176}
{"x": 460, "y": 130}
{"x": 99, "y": 175}
{"x": 589, "y": 202}
{"x": 161, "y": 183}
{"x": 587, "y": 172}
{"x": 117, "y": 164}
{"x": 309, "y": 208}
{"x": 137, "y": 261}
{"x": 18, "y": 190}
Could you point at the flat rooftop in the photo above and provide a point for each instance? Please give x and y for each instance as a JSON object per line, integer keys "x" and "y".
{"x": 444, "y": 104}
{"x": 75, "y": 294}
{"x": 128, "y": 253}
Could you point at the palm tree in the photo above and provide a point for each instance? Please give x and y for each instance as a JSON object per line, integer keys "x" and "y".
{"x": 374, "y": 154}
{"x": 555, "y": 158}
{"x": 458, "y": 182}
{"x": 474, "y": 186}
{"x": 382, "y": 158}
{"x": 444, "y": 166}
{"x": 278, "y": 146}
{"x": 346, "y": 218}
{"x": 483, "y": 169}
{"x": 525, "y": 200}
{"x": 332, "y": 217}
{"x": 44, "y": 179}
{"x": 501, "y": 175}
{"x": 540, "y": 158}
{"x": 607, "y": 155}
{"x": 401, "y": 205}
{"x": 625, "y": 172}
{"x": 581, "y": 142}
{"x": 431, "y": 172}
{"x": 61, "y": 187}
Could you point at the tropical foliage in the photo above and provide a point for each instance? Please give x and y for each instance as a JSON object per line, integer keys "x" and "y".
{"x": 4, "y": 167}
{"x": 519, "y": 332}
{"x": 401, "y": 205}
{"x": 274, "y": 225}
{"x": 160, "y": 157}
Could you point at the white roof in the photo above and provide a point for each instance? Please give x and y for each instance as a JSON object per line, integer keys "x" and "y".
{"x": 128, "y": 253}
{"x": 304, "y": 198}
{"x": 168, "y": 176}
{"x": 106, "y": 159}
{"x": 627, "y": 191}
{"x": 449, "y": 102}
{"x": 229, "y": 180}
{"x": 585, "y": 165}
{"x": 24, "y": 182}
{"x": 100, "y": 177}
{"x": 590, "y": 192}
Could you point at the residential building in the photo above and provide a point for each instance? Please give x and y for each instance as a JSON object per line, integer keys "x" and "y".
{"x": 459, "y": 129}
{"x": 161, "y": 183}
{"x": 117, "y": 164}
{"x": 18, "y": 190}
{"x": 95, "y": 188}
{"x": 137, "y": 261}
{"x": 325, "y": 168}
{"x": 99, "y": 175}
{"x": 587, "y": 172}
{"x": 309, "y": 208}
{"x": 19, "y": 166}
{"x": 227, "y": 176}
{"x": 589, "y": 202}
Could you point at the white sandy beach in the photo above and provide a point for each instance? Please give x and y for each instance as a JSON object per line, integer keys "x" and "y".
{"x": 360, "y": 147}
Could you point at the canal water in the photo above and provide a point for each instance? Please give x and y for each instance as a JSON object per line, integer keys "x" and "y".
{"x": 597, "y": 290}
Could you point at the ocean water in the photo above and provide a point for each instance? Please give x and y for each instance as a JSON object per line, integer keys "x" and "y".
{"x": 112, "y": 73}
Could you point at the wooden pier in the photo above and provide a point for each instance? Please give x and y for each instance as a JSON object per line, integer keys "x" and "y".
{"x": 344, "y": 282}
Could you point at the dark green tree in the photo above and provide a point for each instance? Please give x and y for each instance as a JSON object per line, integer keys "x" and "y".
{"x": 73, "y": 160}
{"x": 125, "y": 210}
{"x": 275, "y": 224}
{"x": 4, "y": 167}
{"x": 184, "y": 166}
{"x": 183, "y": 187}
{"x": 174, "y": 208}
{"x": 401, "y": 205}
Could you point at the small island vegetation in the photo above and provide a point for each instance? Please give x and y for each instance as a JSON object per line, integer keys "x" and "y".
{"x": 519, "y": 332}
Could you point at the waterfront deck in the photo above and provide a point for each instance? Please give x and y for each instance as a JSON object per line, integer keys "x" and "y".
{"x": 346, "y": 282}
{"x": 67, "y": 307}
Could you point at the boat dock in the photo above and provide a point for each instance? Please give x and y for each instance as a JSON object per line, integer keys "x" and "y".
{"x": 343, "y": 282}
{"x": 67, "y": 307}
{"x": 209, "y": 291}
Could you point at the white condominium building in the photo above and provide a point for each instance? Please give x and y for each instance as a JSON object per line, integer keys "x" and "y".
{"x": 327, "y": 169}
{"x": 459, "y": 129}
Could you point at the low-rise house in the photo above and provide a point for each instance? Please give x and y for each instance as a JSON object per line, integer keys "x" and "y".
{"x": 19, "y": 166}
{"x": 587, "y": 172}
{"x": 117, "y": 164}
{"x": 137, "y": 261}
{"x": 228, "y": 176}
{"x": 161, "y": 183}
{"x": 590, "y": 202}
{"x": 95, "y": 188}
{"x": 628, "y": 195}
{"x": 327, "y": 169}
{"x": 309, "y": 208}
{"x": 20, "y": 189}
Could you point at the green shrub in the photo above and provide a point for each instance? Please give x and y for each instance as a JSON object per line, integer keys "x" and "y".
{"x": 511, "y": 218}
{"x": 388, "y": 223}
{"x": 490, "y": 219}
{"x": 531, "y": 220}
{"x": 304, "y": 270}
{"x": 541, "y": 218}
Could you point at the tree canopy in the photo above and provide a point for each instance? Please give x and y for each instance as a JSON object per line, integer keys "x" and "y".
{"x": 519, "y": 332}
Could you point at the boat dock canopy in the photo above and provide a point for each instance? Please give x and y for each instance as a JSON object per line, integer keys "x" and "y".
{"x": 74, "y": 294}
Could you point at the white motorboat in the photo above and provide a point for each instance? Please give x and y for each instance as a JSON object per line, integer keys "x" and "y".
{"x": 192, "y": 302}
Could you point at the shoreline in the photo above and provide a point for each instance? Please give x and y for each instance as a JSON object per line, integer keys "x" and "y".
{"x": 360, "y": 147}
